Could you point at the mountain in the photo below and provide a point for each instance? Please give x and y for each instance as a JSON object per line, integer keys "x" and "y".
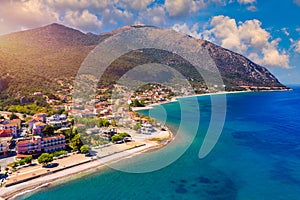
{"x": 237, "y": 70}
{"x": 47, "y": 59}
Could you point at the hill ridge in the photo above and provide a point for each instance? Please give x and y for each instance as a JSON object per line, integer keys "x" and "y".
{"x": 36, "y": 59}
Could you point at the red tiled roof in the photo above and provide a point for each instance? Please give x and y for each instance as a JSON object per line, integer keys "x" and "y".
{"x": 15, "y": 121}
{"x": 10, "y": 125}
{"x": 40, "y": 115}
{"x": 40, "y": 124}
{"x": 32, "y": 120}
{"x": 5, "y": 133}
{"x": 54, "y": 137}
{"x": 27, "y": 141}
{"x": 27, "y": 155}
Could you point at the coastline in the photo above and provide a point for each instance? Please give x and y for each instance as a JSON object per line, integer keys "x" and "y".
{"x": 76, "y": 172}
{"x": 175, "y": 99}
{"x": 57, "y": 178}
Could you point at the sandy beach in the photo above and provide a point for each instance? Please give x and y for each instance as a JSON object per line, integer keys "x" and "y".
{"x": 84, "y": 165}
{"x": 175, "y": 99}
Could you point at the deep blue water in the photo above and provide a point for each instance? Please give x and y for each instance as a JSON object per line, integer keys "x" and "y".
{"x": 256, "y": 157}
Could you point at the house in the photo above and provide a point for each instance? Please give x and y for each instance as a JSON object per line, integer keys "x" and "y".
{"x": 38, "y": 94}
{"x": 31, "y": 123}
{"x": 52, "y": 144}
{"x": 32, "y": 146}
{"x": 18, "y": 122}
{"x": 38, "y": 128}
{"x": 4, "y": 145}
{"x": 41, "y": 117}
{"x": 36, "y": 145}
{"x": 5, "y": 133}
{"x": 12, "y": 127}
{"x": 147, "y": 128}
{"x": 57, "y": 117}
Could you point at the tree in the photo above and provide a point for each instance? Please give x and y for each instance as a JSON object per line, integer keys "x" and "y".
{"x": 48, "y": 130}
{"x": 28, "y": 159}
{"x": 45, "y": 158}
{"x": 13, "y": 116}
{"x": 136, "y": 103}
{"x": 103, "y": 122}
{"x": 137, "y": 126}
{"x": 76, "y": 142}
{"x": 85, "y": 149}
{"x": 119, "y": 137}
{"x": 114, "y": 123}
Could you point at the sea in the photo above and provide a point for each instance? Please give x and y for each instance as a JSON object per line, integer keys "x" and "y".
{"x": 256, "y": 157}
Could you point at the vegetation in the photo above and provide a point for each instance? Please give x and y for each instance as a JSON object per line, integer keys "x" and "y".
{"x": 59, "y": 153}
{"x": 92, "y": 122}
{"x": 76, "y": 142}
{"x": 48, "y": 130}
{"x": 45, "y": 158}
{"x": 59, "y": 52}
{"x": 29, "y": 109}
{"x": 137, "y": 103}
{"x": 23, "y": 161}
{"x": 28, "y": 159}
{"x": 119, "y": 137}
{"x": 85, "y": 149}
{"x": 13, "y": 116}
{"x": 137, "y": 126}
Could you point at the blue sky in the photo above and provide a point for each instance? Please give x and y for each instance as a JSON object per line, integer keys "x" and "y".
{"x": 267, "y": 32}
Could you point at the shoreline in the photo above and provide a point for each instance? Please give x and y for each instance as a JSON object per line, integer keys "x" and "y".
{"x": 77, "y": 172}
{"x": 175, "y": 99}
{"x": 64, "y": 176}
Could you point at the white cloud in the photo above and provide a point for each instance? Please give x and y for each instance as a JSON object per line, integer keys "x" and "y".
{"x": 246, "y": 1}
{"x": 25, "y": 14}
{"x": 285, "y": 31}
{"x": 225, "y": 32}
{"x": 297, "y": 2}
{"x": 153, "y": 16}
{"x": 252, "y": 8}
{"x": 113, "y": 16}
{"x": 184, "y": 28}
{"x": 272, "y": 57}
{"x": 137, "y": 4}
{"x": 83, "y": 20}
{"x": 297, "y": 46}
{"x": 247, "y": 38}
{"x": 178, "y": 8}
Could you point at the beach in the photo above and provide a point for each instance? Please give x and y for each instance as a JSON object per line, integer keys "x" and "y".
{"x": 175, "y": 99}
{"x": 122, "y": 151}
{"x": 84, "y": 165}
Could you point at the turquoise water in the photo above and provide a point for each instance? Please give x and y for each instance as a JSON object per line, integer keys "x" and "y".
{"x": 256, "y": 157}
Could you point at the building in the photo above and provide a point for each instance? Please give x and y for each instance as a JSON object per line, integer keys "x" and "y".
{"x": 32, "y": 146}
{"x": 147, "y": 129}
{"x": 37, "y": 145}
{"x": 5, "y": 133}
{"x": 4, "y": 145}
{"x": 41, "y": 117}
{"x": 31, "y": 123}
{"x": 52, "y": 144}
{"x": 18, "y": 122}
{"x": 38, "y": 128}
{"x": 12, "y": 127}
{"x": 57, "y": 117}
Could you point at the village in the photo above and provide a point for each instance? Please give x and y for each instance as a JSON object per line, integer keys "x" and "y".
{"x": 28, "y": 140}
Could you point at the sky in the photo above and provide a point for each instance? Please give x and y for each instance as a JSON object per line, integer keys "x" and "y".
{"x": 265, "y": 31}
